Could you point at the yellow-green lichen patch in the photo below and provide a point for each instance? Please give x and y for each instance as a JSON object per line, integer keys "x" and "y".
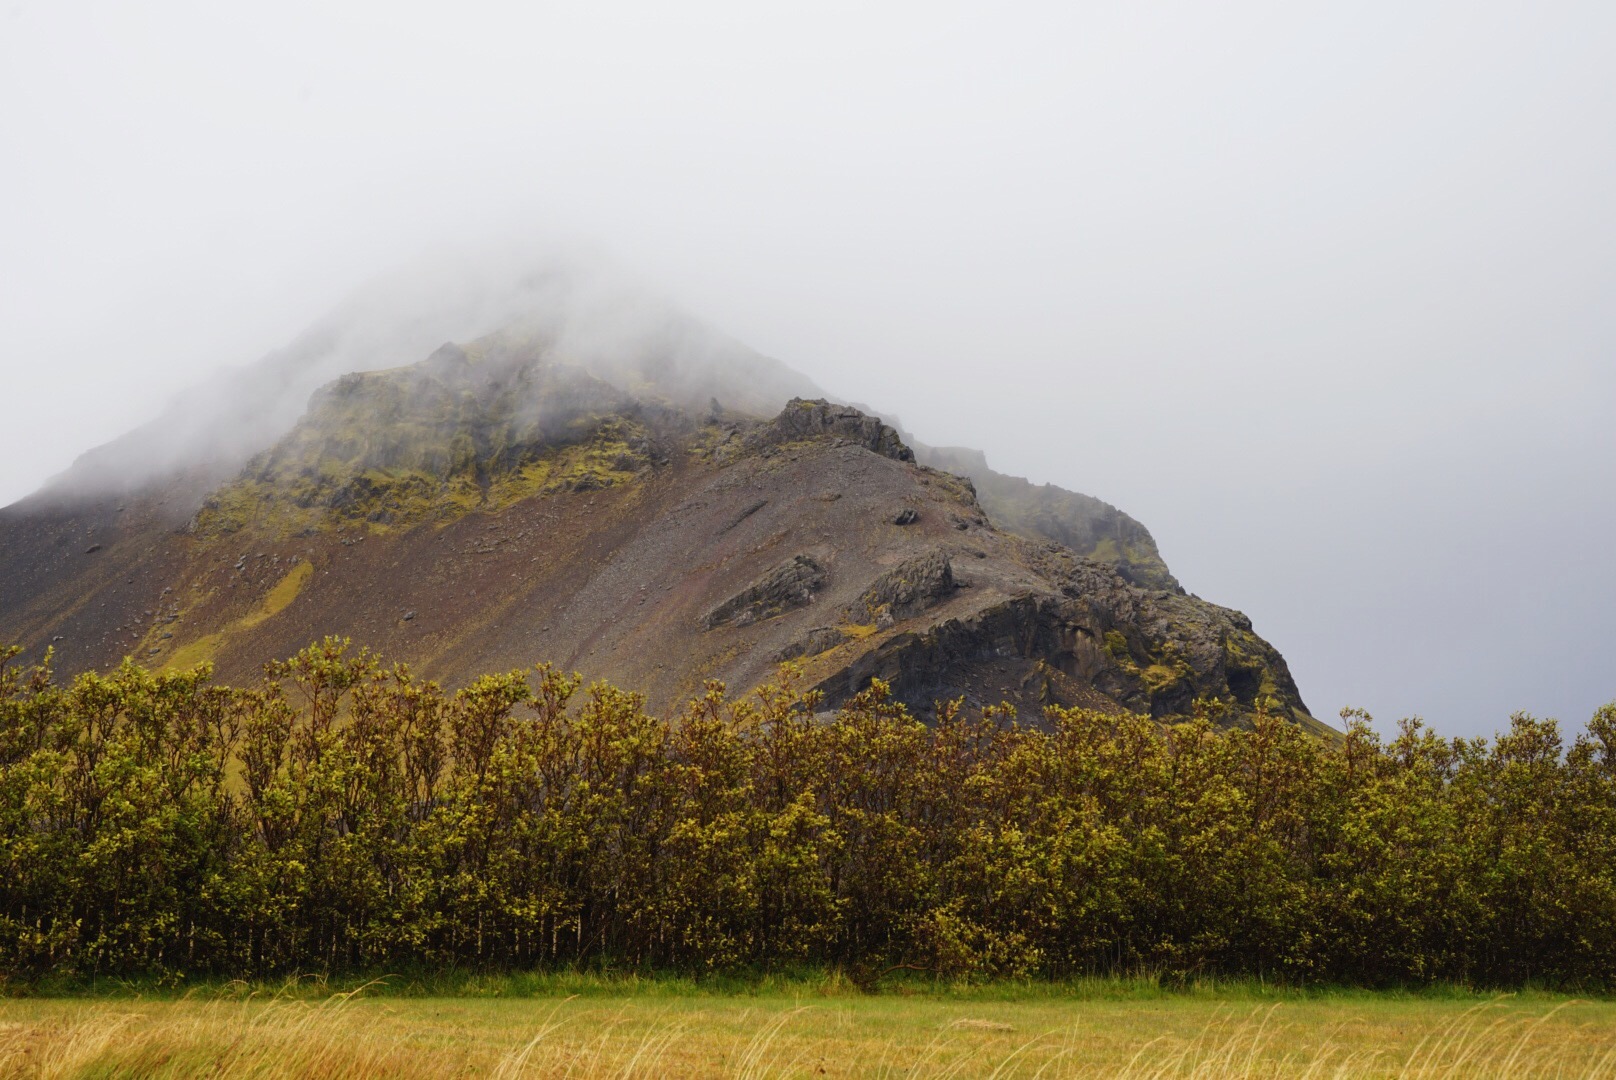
{"x": 275, "y": 601}
{"x": 192, "y": 653}
{"x": 1246, "y": 669}
{"x": 614, "y": 455}
{"x": 1164, "y": 668}
{"x": 1162, "y": 676}
{"x": 712, "y": 440}
{"x": 281, "y": 596}
{"x": 433, "y": 443}
{"x": 1116, "y": 646}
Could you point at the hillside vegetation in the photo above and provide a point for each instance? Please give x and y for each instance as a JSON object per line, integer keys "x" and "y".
{"x": 344, "y": 816}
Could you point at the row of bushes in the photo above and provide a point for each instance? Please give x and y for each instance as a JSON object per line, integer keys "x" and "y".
{"x": 344, "y": 816}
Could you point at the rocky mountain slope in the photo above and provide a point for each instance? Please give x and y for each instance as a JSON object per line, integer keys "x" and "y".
{"x": 497, "y": 504}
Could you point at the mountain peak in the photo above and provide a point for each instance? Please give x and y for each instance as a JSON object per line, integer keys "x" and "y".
{"x": 638, "y": 507}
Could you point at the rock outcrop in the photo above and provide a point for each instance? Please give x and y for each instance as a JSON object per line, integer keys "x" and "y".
{"x": 908, "y": 589}
{"x": 805, "y": 419}
{"x": 821, "y": 639}
{"x": 787, "y": 587}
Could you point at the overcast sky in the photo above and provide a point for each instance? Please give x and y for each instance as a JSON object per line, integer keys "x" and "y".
{"x": 1323, "y": 294}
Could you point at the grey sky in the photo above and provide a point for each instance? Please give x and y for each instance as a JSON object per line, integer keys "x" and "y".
{"x": 1322, "y": 294}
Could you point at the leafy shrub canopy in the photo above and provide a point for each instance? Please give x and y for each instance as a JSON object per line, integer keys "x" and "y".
{"x": 345, "y": 816}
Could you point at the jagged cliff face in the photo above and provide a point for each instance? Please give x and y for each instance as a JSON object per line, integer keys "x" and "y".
{"x": 495, "y": 505}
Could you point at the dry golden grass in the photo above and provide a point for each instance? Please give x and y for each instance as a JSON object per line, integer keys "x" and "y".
{"x": 889, "y": 1038}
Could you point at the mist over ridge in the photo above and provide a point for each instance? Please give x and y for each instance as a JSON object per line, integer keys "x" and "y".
{"x": 496, "y": 306}
{"x": 575, "y": 305}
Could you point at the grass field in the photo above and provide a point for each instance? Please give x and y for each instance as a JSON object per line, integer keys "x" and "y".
{"x": 589, "y": 1029}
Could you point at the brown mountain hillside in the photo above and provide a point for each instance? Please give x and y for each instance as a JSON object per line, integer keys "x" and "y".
{"x": 495, "y": 505}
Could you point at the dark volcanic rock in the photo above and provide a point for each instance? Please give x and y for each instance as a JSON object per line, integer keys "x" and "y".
{"x": 787, "y": 587}
{"x": 908, "y": 588}
{"x": 1038, "y": 650}
{"x": 805, "y": 419}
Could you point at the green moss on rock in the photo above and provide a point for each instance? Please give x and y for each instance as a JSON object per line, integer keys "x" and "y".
{"x": 461, "y": 432}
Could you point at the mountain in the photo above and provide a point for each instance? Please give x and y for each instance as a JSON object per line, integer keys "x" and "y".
{"x": 637, "y": 506}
